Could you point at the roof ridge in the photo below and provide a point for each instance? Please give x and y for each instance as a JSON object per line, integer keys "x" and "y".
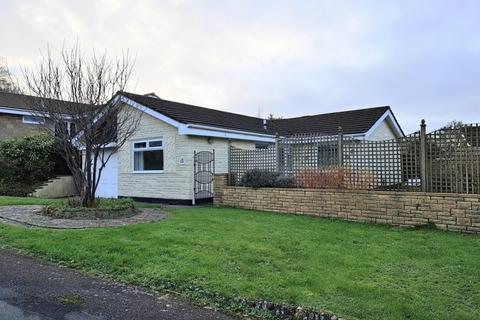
{"x": 335, "y": 112}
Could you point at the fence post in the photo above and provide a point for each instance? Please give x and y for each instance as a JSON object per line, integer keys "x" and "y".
{"x": 277, "y": 153}
{"x": 194, "y": 177}
{"x": 340, "y": 146}
{"x": 229, "y": 160}
{"x": 423, "y": 155}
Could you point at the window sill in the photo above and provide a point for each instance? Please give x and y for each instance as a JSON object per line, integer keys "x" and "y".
{"x": 32, "y": 122}
{"x": 149, "y": 171}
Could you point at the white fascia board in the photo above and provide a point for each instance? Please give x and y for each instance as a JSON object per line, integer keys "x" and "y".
{"x": 16, "y": 111}
{"x": 23, "y": 112}
{"x": 148, "y": 111}
{"x": 208, "y": 131}
{"x": 386, "y": 116}
{"x": 198, "y": 130}
{"x": 356, "y": 136}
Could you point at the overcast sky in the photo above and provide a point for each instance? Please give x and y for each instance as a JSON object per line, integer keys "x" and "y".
{"x": 289, "y": 58}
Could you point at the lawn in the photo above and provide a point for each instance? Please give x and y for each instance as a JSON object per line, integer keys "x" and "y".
{"x": 354, "y": 270}
{"x": 15, "y": 201}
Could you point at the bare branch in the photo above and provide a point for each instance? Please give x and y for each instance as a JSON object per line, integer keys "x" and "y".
{"x": 74, "y": 93}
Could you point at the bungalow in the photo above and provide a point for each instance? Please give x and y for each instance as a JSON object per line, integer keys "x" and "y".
{"x": 158, "y": 162}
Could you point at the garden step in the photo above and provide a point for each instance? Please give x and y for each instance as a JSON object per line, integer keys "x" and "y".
{"x": 57, "y": 187}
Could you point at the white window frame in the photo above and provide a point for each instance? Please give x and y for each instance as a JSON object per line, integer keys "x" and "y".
{"x": 39, "y": 122}
{"x": 69, "y": 126}
{"x": 147, "y": 148}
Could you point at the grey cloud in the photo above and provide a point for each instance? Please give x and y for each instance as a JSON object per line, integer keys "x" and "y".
{"x": 287, "y": 57}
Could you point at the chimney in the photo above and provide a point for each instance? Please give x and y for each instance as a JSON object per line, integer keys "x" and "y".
{"x": 152, "y": 95}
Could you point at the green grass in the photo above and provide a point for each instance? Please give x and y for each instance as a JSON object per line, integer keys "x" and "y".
{"x": 15, "y": 201}
{"x": 355, "y": 270}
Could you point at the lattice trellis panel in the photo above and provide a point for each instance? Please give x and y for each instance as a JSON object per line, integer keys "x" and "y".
{"x": 446, "y": 160}
{"x": 453, "y": 159}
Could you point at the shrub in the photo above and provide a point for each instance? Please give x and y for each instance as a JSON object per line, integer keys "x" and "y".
{"x": 257, "y": 178}
{"x": 105, "y": 209}
{"x": 358, "y": 179}
{"x": 16, "y": 189}
{"x": 334, "y": 178}
{"x": 115, "y": 204}
{"x": 320, "y": 178}
{"x": 310, "y": 178}
{"x": 26, "y": 161}
{"x": 285, "y": 182}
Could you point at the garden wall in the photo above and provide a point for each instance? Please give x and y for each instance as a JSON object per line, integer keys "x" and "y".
{"x": 455, "y": 212}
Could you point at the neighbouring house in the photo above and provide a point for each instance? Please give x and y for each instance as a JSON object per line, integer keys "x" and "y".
{"x": 158, "y": 161}
{"x": 17, "y": 119}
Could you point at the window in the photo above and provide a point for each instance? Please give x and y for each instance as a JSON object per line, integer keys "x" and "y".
{"x": 33, "y": 120}
{"x": 262, "y": 145}
{"x": 71, "y": 127}
{"x": 68, "y": 127}
{"x": 327, "y": 154}
{"x": 148, "y": 156}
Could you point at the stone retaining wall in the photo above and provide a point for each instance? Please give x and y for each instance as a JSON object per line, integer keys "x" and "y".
{"x": 455, "y": 212}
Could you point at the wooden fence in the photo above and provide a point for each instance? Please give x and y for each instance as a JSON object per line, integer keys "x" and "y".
{"x": 445, "y": 161}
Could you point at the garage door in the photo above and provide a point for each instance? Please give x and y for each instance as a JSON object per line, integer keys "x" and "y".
{"x": 108, "y": 185}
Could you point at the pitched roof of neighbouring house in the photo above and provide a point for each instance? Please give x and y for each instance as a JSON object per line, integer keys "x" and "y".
{"x": 23, "y": 101}
{"x": 352, "y": 122}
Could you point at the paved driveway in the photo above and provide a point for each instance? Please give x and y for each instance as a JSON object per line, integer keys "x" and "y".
{"x": 31, "y": 290}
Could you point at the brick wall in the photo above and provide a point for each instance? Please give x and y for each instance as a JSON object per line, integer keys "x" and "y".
{"x": 11, "y": 126}
{"x": 455, "y": 212}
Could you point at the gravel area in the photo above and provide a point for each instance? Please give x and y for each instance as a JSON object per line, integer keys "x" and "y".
{"x": 31, "y": 216}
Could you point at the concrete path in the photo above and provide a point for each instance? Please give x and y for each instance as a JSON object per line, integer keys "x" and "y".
{"x": 31, "y": 290}
{"x": 30, "y": 216}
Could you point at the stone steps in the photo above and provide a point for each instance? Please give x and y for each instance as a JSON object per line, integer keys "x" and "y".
{"x": 58, "y": 187}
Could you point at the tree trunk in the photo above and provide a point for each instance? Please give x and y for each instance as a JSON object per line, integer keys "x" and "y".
{"x": 87, "y": 196}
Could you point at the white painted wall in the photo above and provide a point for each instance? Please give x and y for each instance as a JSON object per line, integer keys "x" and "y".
{"x": 383, "y": 132}
{"x": 108, "y": 184}
{"x": 176, "y": 182}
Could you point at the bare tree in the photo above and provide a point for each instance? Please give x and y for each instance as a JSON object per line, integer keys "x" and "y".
{"x": 272, "y": 117}
{"x": 7, "y": 83}
{"x": 77, "y": 97}
{"x": 454, "y": 124}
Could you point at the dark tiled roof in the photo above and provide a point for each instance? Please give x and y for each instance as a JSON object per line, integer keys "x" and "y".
{"x": 22, "y": 101}
{"x": 186, "y": 113}
{"x": 354, "y": 121}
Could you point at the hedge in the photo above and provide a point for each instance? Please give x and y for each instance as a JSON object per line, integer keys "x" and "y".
{"x": 25, "y": 163}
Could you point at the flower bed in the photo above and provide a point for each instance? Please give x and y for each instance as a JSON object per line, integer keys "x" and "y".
{"x": 105, "y": 209}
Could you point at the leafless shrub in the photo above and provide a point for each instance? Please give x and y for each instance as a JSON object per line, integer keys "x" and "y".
{"x": 333, "y": 178}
